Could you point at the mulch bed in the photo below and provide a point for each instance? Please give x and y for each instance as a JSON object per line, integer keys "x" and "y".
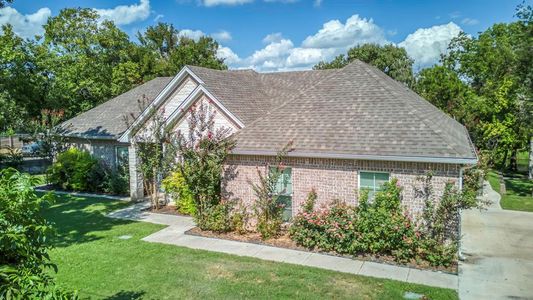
{"x": 284, "y": 241}
{"x": 166, "y": 210}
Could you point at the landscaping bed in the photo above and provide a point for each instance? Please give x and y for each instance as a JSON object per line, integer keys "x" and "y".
{"x": 283, "y": 240}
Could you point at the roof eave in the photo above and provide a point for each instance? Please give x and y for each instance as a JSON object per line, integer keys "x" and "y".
{"x": 425, "y": 159}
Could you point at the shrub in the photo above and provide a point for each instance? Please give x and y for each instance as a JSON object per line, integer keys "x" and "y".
{"x": 24, "y": 235}
{"x": 175, "y": 185}
{"x": 268, "y": 208}
{"x": 326, "y": 230}
{"x": 240, "y": 218}
{"x": 217, "y": 218}
{"x": 116, "y": 183}
{"x": 76, "y": 170}
{"x": 382, "y": 227}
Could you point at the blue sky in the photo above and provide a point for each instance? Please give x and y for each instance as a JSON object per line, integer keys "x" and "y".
{"x": 271, "y": 35}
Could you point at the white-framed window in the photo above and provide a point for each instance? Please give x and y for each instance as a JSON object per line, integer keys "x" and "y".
{"x": 372, "y": 181}
{"x": 122, "y": 158}
{"x": 284, "y": 191}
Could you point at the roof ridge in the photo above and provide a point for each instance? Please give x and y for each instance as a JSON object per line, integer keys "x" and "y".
{"x": 287, "y": 101}
{"x": 430, "y": 125}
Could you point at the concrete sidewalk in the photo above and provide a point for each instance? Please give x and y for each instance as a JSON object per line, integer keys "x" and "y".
{"x": 174, "y": 234}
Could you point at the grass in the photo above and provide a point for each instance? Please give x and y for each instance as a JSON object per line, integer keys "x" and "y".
{"x": 93, "y": 259}
{"x": 518, "y": 191}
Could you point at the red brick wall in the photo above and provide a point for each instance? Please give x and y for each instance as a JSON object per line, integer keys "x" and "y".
{"x": 334, "y": 178}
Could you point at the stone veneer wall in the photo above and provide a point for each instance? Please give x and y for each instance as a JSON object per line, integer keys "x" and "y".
{"x": 335, "y": 178}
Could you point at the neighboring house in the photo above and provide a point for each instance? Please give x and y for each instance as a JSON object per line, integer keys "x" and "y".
{"x": 352, "y": 128}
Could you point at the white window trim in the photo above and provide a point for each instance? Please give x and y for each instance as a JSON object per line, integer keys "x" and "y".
{"x": 369, "y": 171}
{"x": 116, "y": 154}
{"x": 292, "y": 192}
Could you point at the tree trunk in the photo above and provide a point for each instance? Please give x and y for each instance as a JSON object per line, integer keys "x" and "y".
{"x": 513, "y": 166}
{"x": 531, "y": 158}
{"x": 504, "y": 162}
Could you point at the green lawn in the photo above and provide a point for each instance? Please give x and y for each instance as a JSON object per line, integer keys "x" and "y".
{"x": 518, "y": 191}
{"x": 93, "y": 259}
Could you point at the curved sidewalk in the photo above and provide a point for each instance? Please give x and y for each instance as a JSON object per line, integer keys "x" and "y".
{"x": 174, "y": 234}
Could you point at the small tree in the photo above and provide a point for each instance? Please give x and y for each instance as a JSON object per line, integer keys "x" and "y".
{"x": 203, "y": 151}
{"x": 157, "y": 152}
{"x": 268, "y": 209}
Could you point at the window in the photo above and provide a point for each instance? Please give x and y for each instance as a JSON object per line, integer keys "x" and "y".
{"x": 284, "y": 191}
{"x": 372, "y": 181}
{"x": 122, "y": 160}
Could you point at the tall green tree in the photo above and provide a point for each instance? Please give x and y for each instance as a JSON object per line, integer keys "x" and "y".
{"x": 390, "y": 59}
{"x": 444, "y": 89}
{"x": 80, "y": 53}
{"x": 491, "y": 65}
{"x": 168, "y": 51}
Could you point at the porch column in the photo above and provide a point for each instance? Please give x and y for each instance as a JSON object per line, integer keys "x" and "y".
{"x": 136, "y": 179}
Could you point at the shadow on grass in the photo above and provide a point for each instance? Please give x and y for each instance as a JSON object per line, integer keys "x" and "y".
{"x": 76, "y": 219}
{"x": 123, "y": 295}
{"x": 521, "y": 187}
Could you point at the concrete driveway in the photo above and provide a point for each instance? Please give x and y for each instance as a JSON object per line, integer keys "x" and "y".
{"x": 498, "y": 246}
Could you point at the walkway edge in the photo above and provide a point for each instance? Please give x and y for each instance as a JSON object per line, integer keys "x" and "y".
{"x": 174, "y": 234}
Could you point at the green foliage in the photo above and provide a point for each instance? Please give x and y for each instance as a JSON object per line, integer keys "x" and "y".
{"x": 218, "y": 217}
{"x": 10, "y": 158}
{"x": 204, "y": 150}
{"x": 77, "y": 170}
{"x": 390, "y": 59}
{"x": 330, "y": 229}
{"x": 176, "y": 186}
{"x": 73, "y": 170}
{"x": 382, "y": 226}
{"x": 309, "y": 204}
{"x": 48, "y": 135}
{"x": 496, "y": 66}
{"x": 268, "y": 208}
{"x": 24, "y": 245}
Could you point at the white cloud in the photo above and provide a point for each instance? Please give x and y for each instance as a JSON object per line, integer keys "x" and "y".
{"x": 26, "y": 26}
{"x": 426, "y": 45}
{"x": 469, "y": 21}
{"x": 228, "y": 55}
{"x": 126, "y": 14}
{"x": 192, "y": 34}
{"x": 273, "y": 38}
{"x": 210, "y": 3}
{"x": 317, "y": 3}
{"x": 158, "y": 17}
{"x": 273, "y": 51}
{"x": 335, "y": 34}
{"x": 222, "y": 36}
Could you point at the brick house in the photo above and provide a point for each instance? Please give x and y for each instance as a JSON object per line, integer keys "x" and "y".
{"x": 352, "y": 128}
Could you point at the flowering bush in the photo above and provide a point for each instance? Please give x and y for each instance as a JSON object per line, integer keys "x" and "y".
{"x": 379, "y": 227}
{"x": 327, "y": 230}
{"x": 382, "y": 227}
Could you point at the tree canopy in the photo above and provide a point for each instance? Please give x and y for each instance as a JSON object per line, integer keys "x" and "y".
{"x": 390, "y": 59}
{"x": 81, "y": 61}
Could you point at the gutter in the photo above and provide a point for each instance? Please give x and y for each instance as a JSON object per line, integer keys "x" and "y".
{"x": 426, "y": 159}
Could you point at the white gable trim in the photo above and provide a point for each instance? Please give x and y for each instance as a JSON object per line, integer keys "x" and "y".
{"x": 196, "y": 94}
{"x": 185, "y": 71}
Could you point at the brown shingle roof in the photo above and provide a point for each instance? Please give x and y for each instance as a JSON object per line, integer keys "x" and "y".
{"x": 358, "y": 110}
{"x": 106, "y": 121}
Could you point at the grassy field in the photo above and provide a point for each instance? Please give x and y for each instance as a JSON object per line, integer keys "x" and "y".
{"x": 105, "y": 258}
{"x": 518, "y": 191}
